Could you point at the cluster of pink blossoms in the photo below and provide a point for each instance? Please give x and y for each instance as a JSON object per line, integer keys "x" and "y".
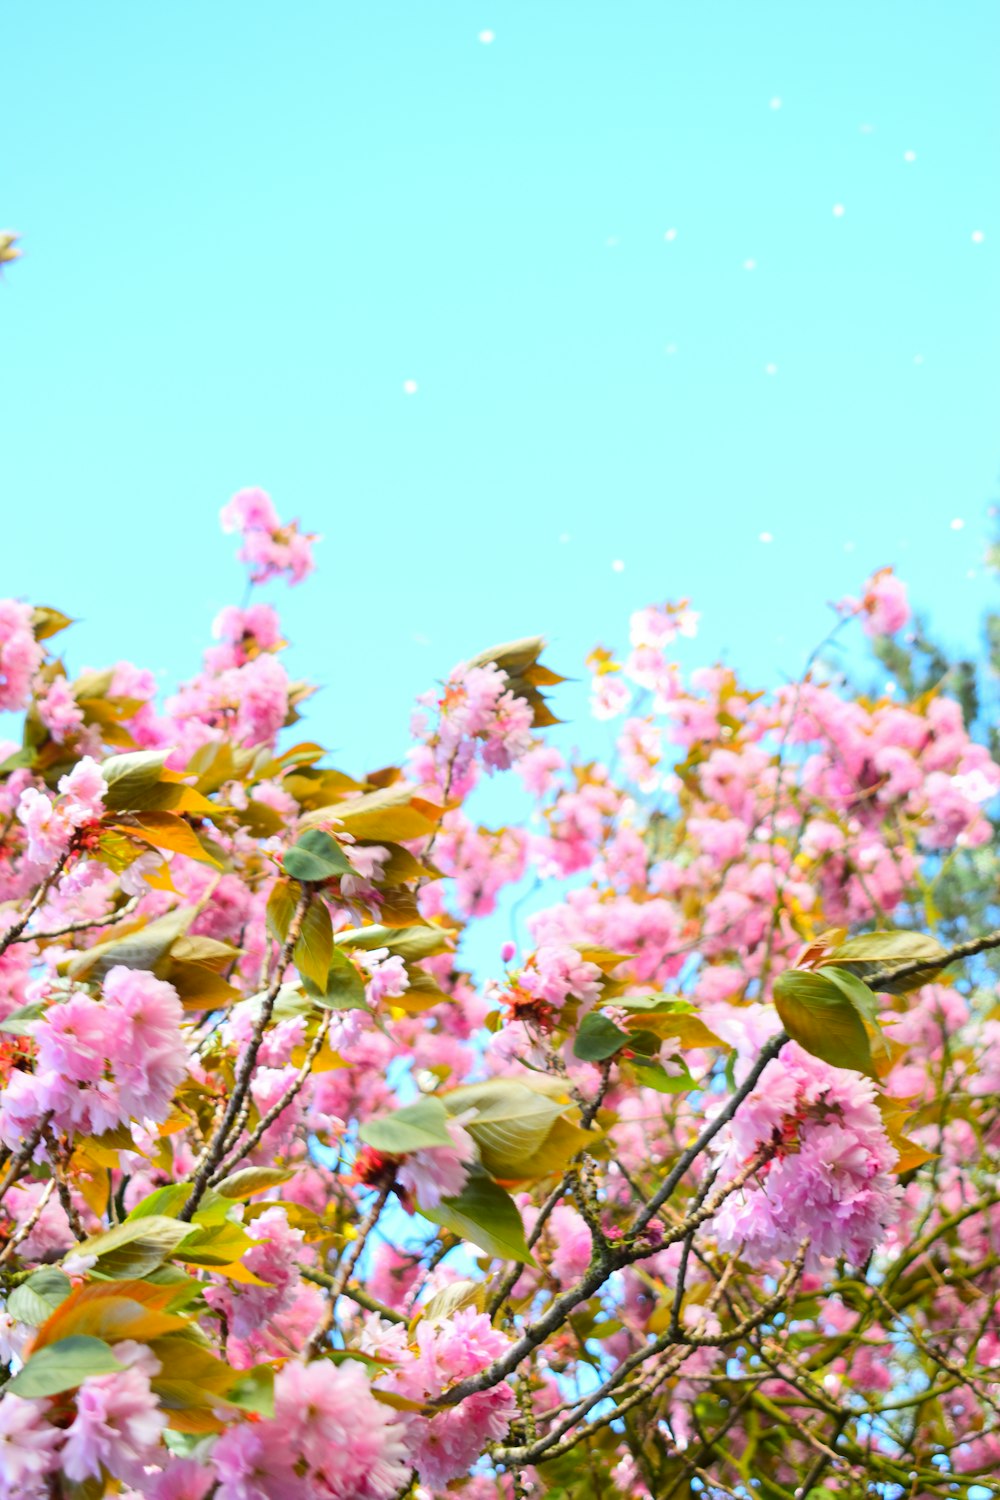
{"x": 20, "y": 654}
{"x": 826, "y": 1173}
{"x": 116, "y": 1429}
{"x": 480, "y": 722}
{"x": 445, "y": 1445}
{"x": 50, "y": 824}
{"x": 884, "y": 604}
{"x": 269, "y": 548}
{"x": 101, "y": 1063}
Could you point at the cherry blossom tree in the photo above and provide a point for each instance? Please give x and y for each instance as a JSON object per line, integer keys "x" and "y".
{"x": 694, "y": 1192}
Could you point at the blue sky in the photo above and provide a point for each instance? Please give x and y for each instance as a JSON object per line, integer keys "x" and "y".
{"x": 246, "y": 226}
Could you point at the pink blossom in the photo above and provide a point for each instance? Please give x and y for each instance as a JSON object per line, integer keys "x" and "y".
{"x": 569, "y": 1234}
{"x": 558, "y": 973}
{"x": 59, "y": 711}
{"x": 439, "y": 1171}
{"x": 444, "y": 1446}
{"x": 329, "y": 1439}
{"x": 884, "y": 602}
{"x": 27, "y": 1449}
{"x": 101, "y": 1064}
{"x": 268, "y": 547}
{"x": 829, "y": 1179}
{"x": 118, "y": 1422}
{"x": 84, "y": 790}
{"x": 182, "y": 1479}
{"x": 387, "y": 975}
{"x": 249, "y": 510}
{"x": 20, "y": 654}
{"x": 249, "y": 1308}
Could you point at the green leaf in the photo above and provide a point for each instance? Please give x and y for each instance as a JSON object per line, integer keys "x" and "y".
{"x": 168, "y": 1202}
{"x": 486, "y": 1215}
{"x": 344, "y": 988}
{"x": 134, "y": 781}
{"x": 19, "y": 1022}
{"x": 411, "y": 943}
{"x": 138, "y": 1246}
{"x": 872, "y": 951}
{"x": 63, "y": 1365}
{"x": 414, "y": 1128}
{"x": 216, "y": 1245}
{"x": 46, "y": 621}
{"x": 316, "y": 856}
{"x": 37, "y": 1298}
{"x": 598, "y": 1038}
{"x": 254, "y": 1390}
{"x": 450, "y": 1300}
{"x": 818, "y": 1014}
{"x": 313, "y": 953}
{"x": 861, "y": 997}
{"x": 652, "y": 1075}
{"x": 144, "y": 948}
{"x": 251, "y": 1180}
{"x": 511, "y": 1124}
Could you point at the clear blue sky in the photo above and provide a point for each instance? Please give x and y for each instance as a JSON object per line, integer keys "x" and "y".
{"x": 247, "y": 225}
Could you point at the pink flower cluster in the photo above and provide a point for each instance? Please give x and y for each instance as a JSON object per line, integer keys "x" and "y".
{"x": 59, "y": 711}
{"x": 329, "y": 1439}
{"x": 20, "y": 654}
{"x": 444, "y": 1446}
{"x": 51, "y": 824}
{"x": 242, "y": 634}
{"x": 101, "y": 1063}
{"x": 480, "y": 722}
{"x": 269, "y": 548}
{"x": 439, "y": 1172}
{"x": 884, "y": 604}
{"x": 115, "y": 1429}
{"x": 557, "y": 973}
{"x": 827, "y": 1175}
{"x": 248, "y": 702}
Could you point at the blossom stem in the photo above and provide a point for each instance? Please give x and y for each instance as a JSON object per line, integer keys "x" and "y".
{"x": 221, "y": 1137}
{"x": 13, "y": 933}
{"x": 23, "y": 1155}
{"x": 266, "y": 1121}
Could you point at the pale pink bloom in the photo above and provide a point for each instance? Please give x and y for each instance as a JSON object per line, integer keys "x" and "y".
{"x": 387, "y": 975}
{"x": 568, "y": 1234}
{"x": 439, "y": 1171}
{"x": 150, "y": 1057}
{"x": 248, "y": 1308}
{"x": 610, "y": 696}
{"x": 59, "y": 710}
{"x": 102, "y": 1064}
{"x": 447, "y": 1444}
{"x": 557, "y": 974}
{"x": 830, "y": 1180}
{"x": 329, "y": 1439}
{"x": 255, "y": 1462}
{"x": 27, "y": 1449}
{"x": 182, "y": 1479}
{"x": 84, "y": 790}
{"x": 539, "y": 768}
{"x": 51, "y": 1235}
{"x": 118, "y": 1421}
{"x": 20, "y": 654}
{"x": 884, "y": 603}
{"x": 262, "y": 697}
{"x": 658, "y": 627}
{"x": 249, "y": 510}
{"x": 445, "y": 1447}
{"x": 48, "y": 830}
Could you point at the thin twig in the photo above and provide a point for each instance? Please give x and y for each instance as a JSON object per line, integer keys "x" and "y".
{"x": 220, "y": 1140}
